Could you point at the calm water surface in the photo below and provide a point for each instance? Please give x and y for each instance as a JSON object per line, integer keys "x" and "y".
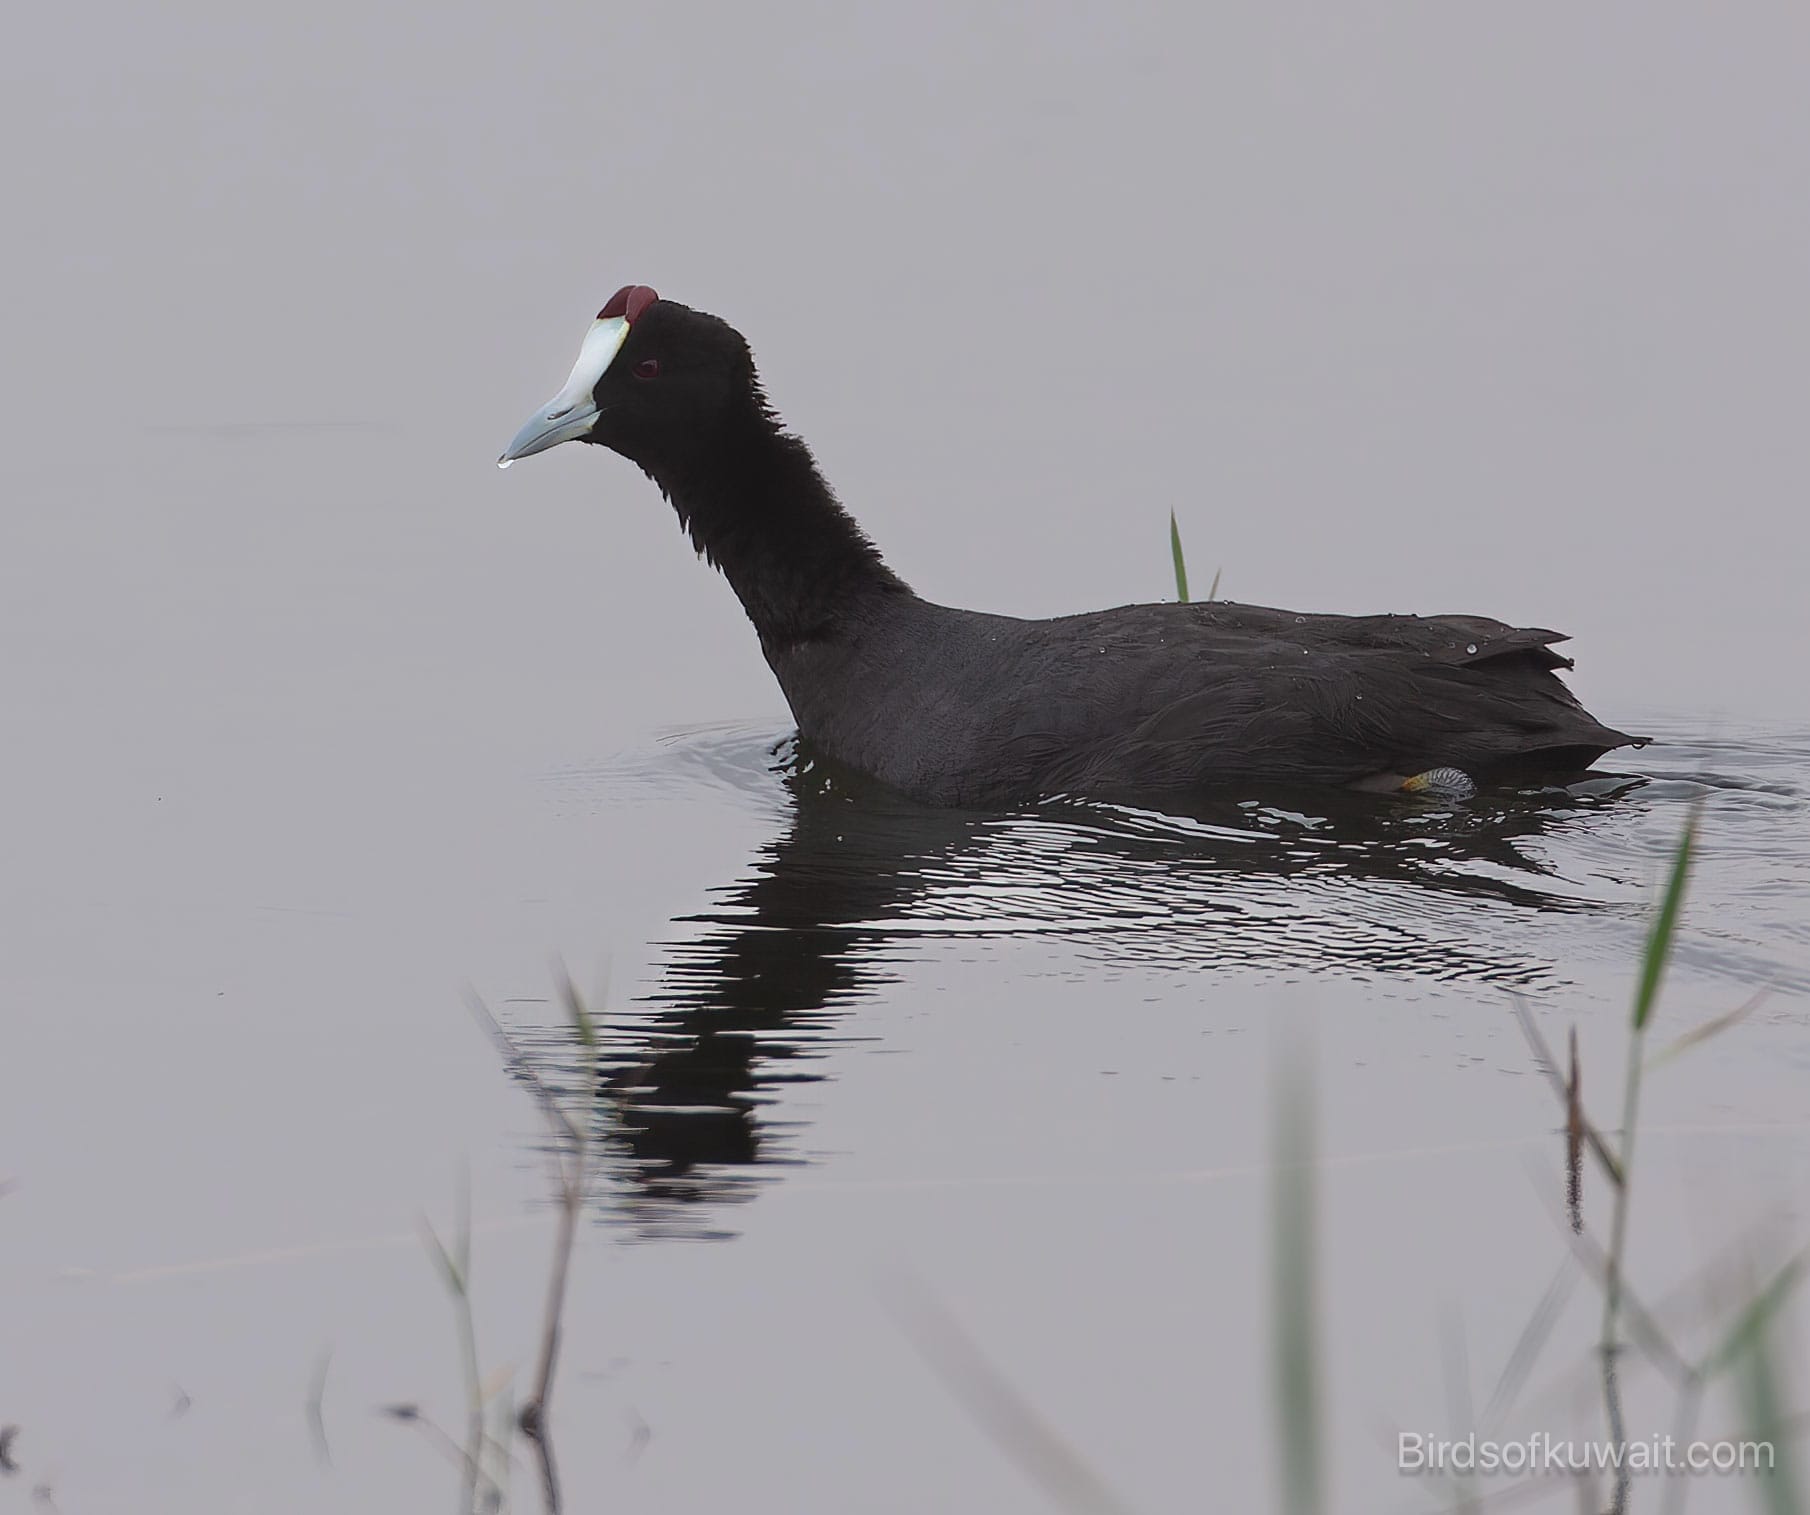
{"x": 311, "y": 723}
{"x": 1024, "y": 1057}
{"x": 1537, "y": 893}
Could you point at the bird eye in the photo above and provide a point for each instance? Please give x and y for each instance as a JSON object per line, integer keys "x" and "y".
{"x": 648, "y": 368}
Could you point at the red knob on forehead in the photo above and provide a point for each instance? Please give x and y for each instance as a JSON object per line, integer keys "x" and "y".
{"x": 628, "y": 302}
{"x": 639, "y": 298}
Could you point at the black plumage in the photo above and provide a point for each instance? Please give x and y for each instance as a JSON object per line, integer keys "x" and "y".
{"x": 961, "y": 707}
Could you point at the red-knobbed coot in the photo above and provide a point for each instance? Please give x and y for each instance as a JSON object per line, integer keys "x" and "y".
{"x": 959, "y": 707}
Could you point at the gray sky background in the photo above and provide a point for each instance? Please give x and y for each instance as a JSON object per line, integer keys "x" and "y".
{"x": 1404, "y": 307}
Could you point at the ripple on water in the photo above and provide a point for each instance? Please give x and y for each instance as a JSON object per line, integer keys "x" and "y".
{"x": 1471, "y": 889}
{"x": 1542, "y": 889}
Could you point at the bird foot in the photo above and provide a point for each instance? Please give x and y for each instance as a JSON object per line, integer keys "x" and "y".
{"x": 1441, "y": 784}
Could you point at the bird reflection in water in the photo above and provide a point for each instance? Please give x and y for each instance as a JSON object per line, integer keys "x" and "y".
{"x": 859, "y": 880}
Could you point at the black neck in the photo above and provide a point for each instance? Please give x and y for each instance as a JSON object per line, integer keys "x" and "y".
{"x": 760, "y": 511}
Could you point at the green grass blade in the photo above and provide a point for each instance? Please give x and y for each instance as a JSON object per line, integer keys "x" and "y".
{"x": 998, "y": 1407}
{"x": 1776, "y": 1489}
{"x": 1181, "y": 563}
{"x": 450, "y": 1272}
{"x": 1697, "y": 1035}
{"x": 577, "y": 1012}
{"x": 1293, "y": 1295}
{"x": 1756, "y": 1320}
{"x": 1665, "y": 926}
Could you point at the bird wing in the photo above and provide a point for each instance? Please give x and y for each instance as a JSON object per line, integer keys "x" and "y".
{"x": 1251, "y": 692}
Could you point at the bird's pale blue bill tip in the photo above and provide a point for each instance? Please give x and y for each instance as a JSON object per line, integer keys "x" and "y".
{"x": 569, "y": 413}
{"x": 560, "y": 421}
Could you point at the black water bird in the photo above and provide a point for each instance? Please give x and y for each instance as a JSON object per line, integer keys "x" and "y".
{"x": 959, "y": 707}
